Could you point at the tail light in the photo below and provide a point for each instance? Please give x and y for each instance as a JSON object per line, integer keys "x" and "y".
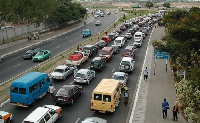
{"x": 67, "y": 99}
{"x": 111, "y": 106}
{"x": 27, "y": 99}
{"x": 85, "y": 78}
{"x": 10, "y": 96}
{"x": 74, "y": 77}
{"x": 92, "y": 104}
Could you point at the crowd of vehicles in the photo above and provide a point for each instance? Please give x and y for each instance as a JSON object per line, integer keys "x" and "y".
{"x": 105, "y": 97}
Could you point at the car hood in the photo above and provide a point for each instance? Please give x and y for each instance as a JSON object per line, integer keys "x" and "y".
{"x": 38, "y": 56}
{"x": 57, "y": 74}
{"x": 27, "y": 54}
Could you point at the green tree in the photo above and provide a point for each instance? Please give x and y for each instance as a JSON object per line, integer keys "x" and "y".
{"x": 167, "y": 5}
{"x": 149, "y": 4}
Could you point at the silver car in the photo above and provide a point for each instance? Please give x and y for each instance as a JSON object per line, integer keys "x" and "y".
{"x": 61, "y": 72}
{"x": 122, "y": 77}
{"x": 94, "y": 120}
{"x": 84, "y": 76}
{"x": 128, "y": 35}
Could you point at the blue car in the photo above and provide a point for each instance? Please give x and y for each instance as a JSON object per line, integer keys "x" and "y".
{"x": 86, "y": 33}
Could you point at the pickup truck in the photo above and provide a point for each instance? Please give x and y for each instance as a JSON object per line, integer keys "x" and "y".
{"x": 86, "y": 33}
{"x": 77, "y": 58}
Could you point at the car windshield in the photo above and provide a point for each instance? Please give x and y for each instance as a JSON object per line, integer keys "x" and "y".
{"x": 137, "y": 35}
{"x": 118, "y": 41}
{"x": 110, "y": 36}
{"x": 80, "y": 75}
{"x": 29, "y": 52}
{"x": 114, "y": 47}
{"x": 59, "y": 70}
{"x": 125, "y": 62}
{"x": 103, "y": 53}
{"x": 137, "y": 41}
{"x": 128, "y": 34}
{"x": 118, "y": 77}
{"x": 63, "y": 91}
{"x": 85, "y": 31}
{"x": 95, "y": 61}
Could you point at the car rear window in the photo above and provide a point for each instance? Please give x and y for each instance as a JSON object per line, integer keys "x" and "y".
{"x": 138, "y": 36}
{"x": 125, "y": 62}
{"x": 64, "y": 91}
{"x": 98, "y": 97}
{"x": 104, "y": 53}
{"x": 107, "y": 98}
{"x": 80, "y": 75}
{"x": 118, "y": 41}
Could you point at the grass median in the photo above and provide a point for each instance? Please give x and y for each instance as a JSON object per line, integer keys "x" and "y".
{"x": 50, "y": 64}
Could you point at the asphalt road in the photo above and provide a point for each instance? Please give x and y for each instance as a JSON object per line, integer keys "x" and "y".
{"x": 81, "y": 107}
{"x": 15, "y": 64}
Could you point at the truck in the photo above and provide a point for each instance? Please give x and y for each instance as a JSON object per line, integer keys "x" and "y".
{"x": 77, "y": 58}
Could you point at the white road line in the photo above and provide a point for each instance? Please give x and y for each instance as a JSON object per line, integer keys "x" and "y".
{"x": 139, "y": 84}
{"x": 77, "y": 120}
{"x": 57, "y": 46}
{"x": 71, "y": 83}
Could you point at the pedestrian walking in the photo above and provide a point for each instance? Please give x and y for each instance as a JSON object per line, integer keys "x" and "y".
{"x": 51, "y": 90}
{"x": 38, "y": 36}
{"x": 126, "y": 98}
{"x": 165, "y": 106}
{"x": 35, "y": 36}
{"x": 75, "y": 70}
{"x": 145, "y": 72}
{"x": 175, "y": 111}
{"x": 78, "y": 47}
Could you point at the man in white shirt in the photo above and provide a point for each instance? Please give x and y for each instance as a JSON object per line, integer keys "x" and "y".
{"x": 51, "y": 90}
{"x": 145, "y": 72}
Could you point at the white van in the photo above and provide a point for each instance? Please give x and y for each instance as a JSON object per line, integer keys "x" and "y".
{"x": 45, "y": 114}
{"x": 138, "y": 35}
{"x": 119, "y": 41}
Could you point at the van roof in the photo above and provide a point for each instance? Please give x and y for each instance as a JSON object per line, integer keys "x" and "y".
{"x": 127, "y": 59}
{"x": 107, "y": 86}
{"x": 36, "y": 114}
{"x": 30, "y": 77}
{"x": 129, "y": 47}
{"x": 138, "y": 33}
{"x": 119, "y": 38}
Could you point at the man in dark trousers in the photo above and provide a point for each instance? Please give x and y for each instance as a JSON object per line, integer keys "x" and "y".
{"x": 165, "y": 104}
{"x": 126, "y": 98}
{"x": 145, "y": 72}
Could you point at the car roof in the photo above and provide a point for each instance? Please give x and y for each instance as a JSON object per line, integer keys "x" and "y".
{"x": 61, "y": 67}
{"x": 94, "y": 120}
{"x": 127, "y": 59}
{"x": 119, "y": 73}
{"x": 86, "y": 30}
{"x": 68, "y": 86}
{"x": 88, "y": 46}
{"x": 83, "y": 71}
{"x": 128, "y": 33}
{"x": 97, "y": 58}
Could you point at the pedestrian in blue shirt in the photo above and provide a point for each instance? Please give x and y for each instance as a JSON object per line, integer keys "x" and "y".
{"x": 165, "y": 106}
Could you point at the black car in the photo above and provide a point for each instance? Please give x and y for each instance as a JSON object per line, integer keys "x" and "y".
{"x": 101, "y": 44}
{"x": 140, "y": 24}
{"x": 30, "y": 53}
{"x": 127, "y": 25}
{"x": 98, "y": 63}
{"x": 115, "y": 49}
{"x": 91, "y": 50}
{"x": 67, "y": 94}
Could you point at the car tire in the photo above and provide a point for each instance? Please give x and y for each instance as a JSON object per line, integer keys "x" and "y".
{"x": 59, "y": 116}
{"x": 64, "y": 78}
{"x": 72, "y": 101}
{"x": 81, "y": 91}
{"x": 8, "y": 120}
{"x": 34, "y": 102}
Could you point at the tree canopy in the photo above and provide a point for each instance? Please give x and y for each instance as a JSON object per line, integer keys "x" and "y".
{"x": 37, "y": 11}
{"x": 167, "y": 5}
{"x": 149, "y": 4}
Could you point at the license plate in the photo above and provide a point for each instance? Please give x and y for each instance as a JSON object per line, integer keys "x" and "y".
{"x": 19, "y": 104}
{"x": 60, "y": 99}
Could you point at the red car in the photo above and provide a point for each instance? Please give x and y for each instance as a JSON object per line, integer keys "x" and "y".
{"x": 106, "y": 39}
{"x": 122, "y": 27}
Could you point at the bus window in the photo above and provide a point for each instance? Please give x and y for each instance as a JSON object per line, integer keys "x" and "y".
{"x": 98, "y": 97}
{"x": 22, "y": 90}
{"x": 30, "y": 89}
{"x": 15, "y": 89}
{"x": 107, "y": 98}
{"x": 47, "y": 79}
{"x": 35, "y": 87}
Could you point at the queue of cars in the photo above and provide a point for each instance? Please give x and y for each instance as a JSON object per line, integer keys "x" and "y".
{"x": 68, "y": 93}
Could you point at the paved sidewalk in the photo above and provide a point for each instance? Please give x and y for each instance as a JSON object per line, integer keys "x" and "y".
{"x": 8, "y": 48}
{"x": 152, "y": 92}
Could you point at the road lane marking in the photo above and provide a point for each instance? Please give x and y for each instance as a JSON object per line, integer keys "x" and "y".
{"x": 77, "y": 120}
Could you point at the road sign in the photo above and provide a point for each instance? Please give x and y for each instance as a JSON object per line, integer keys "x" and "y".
{"x": 160, "y": 55}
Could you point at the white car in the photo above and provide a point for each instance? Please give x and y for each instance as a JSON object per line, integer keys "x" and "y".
{"x": 96, "y": 15}
{"x": 98, "y": 23}
{"x": 45, "y": 114}
{"x": 84, "y": 76}
{"x": 127, "y": 64}
{"x": 122, "y": 77}
{"x": 128, "y": 35}
{"x": 61, "y": 72}
{"x": 137, "y": 43}
{"x": 94, "y": 120}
